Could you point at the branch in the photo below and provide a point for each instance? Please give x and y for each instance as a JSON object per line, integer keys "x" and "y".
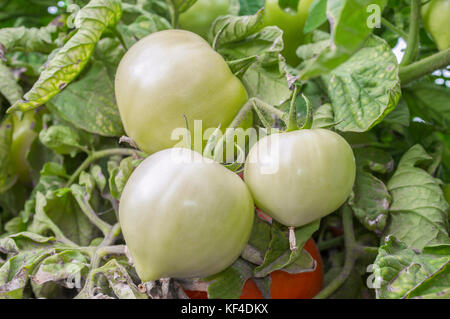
{"x": 423, "y": 67}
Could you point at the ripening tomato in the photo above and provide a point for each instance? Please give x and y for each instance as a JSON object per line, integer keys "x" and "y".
{"x": 183, "y": 215}
{"x": 169, "y": 76}
{"x": 201, "y": 15}
{"x": 284, "y": 285}
{"x": 300, "y": 176}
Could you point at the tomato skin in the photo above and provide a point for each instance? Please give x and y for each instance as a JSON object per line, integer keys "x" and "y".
{"x": 170, "y": 75}
{"x": 300, "y": 176}
{"x": 284, "y": 285}
{"x": 292, "y": 25}
{"x": 183, "y": 215}
{"x": 201, "y": 15}
{"x": 23, "y": 137}
{"x": 435, "y": 17}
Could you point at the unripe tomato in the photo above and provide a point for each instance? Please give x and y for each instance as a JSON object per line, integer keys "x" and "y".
{"x": 199, "y": 17}
{"x": 23, "y": 136}
{"x": 284, "y": 285}
{"x": 291, "y": 23}
{"x": 171, "y": 74}
{"x": 436, "y": 16}
{"x": 183, "y": 215}
{"x": 300, "y": 176}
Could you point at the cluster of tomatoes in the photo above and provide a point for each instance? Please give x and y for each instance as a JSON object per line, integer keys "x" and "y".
{"x": 187, "y": 216}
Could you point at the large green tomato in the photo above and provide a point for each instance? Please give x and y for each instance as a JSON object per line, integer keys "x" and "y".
{"x": 183, "y": 215}
{"x": 23, "y": 136}
{"x": 291, "y": 23}
{"x": 199, "y": 17}
{"x": 300, "y": 176}
{"x": 171, "y": 74}
{"x": 436, "y": 16}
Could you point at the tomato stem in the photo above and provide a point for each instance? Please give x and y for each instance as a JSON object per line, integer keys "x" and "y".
{"x": 350, "y": 255}
{"x": 413, "y": 34}
{"x": 424, "y": 66}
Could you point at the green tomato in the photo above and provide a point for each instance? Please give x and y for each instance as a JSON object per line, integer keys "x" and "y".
{"x": 183, "y": 215}
{"x": 171, "y": 74}
{"x": 199, "y": 17}
{"x": 291, "y": 23}
{"x": 23, "y": 137}
{"x": 436, "y": 16}
{"x": 300, "y": 176}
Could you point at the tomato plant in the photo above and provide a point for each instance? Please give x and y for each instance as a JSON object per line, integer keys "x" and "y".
{"x": 305, "y": 175}
{"x": 291, "y": 23}
{"x": 283, "y": 284}
{"x": 347, "y": 143}
{"x": 435, "y": 14}
{"x": 199, "y": 17}
{"x": 178, "y": 231}
{"x": 170, "y": 75}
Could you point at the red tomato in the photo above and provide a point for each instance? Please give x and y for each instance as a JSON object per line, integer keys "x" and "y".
{"x": 284, "y": 285}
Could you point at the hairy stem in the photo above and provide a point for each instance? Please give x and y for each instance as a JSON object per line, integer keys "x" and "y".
{"x": 413, "y": 34}
{"x": 423, "y": 67}
{"x": 350, "y": 255}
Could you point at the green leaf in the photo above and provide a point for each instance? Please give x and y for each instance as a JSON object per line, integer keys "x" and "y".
{"x": 68, "y": 62}
{"x": 348, "y": 19}
{"x": 62, "y": 139}
{"x": 229, "y": 29}
{"x": 118, "y": 280}
{"x": 435, "y": 287}
{"x": 61, "y": 266}
{"x": 27, "y": 250}
{"x": 364, "y": 89}
{"x": 29, "y": 39}
{"x": 430, "y": 102}
{"x": 119, "y": 175}
{"x": 279, "y": 256}
{"x": 9, "y": 87}
{"x": 58, "y": 211}
{"x": 317, "y": 15}
{"x": 419, "y": 211}
{"x": 89, "y": 103}
{"x": 370, "y": 198}
{"x": 400, "y": 271}
{"x": 228, "y": 284}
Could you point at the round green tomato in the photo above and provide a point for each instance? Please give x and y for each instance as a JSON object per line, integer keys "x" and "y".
{"x": 23, "y": 136}
{"x": 291, "y": 23}
{"x": 300, "y": 176}
{"x": 170, "y": 75}
{"x": 436, "y": 16}
{"x": 199, "y": 17}
{"x": 183, "y": 215}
